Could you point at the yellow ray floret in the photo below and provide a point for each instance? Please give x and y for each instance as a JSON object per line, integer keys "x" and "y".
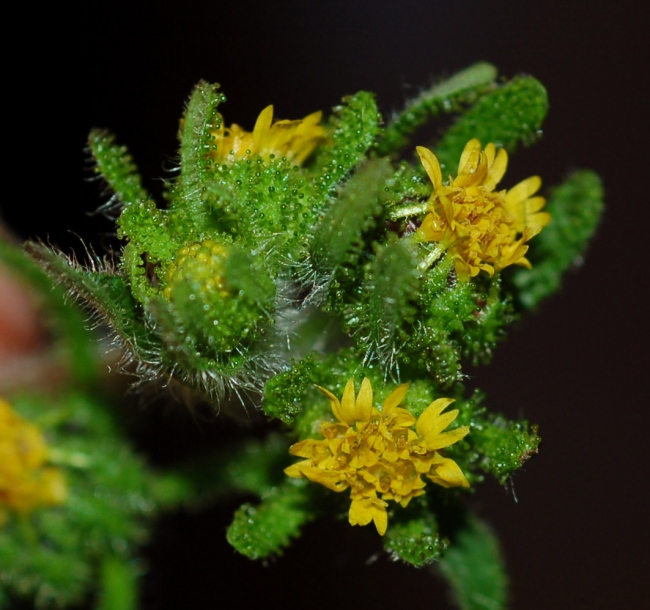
{"x": 482, "y": 228}
{"x": 26, "y": 482}
{"x": 380, "y": 454}
{"x": 294, "y": 140}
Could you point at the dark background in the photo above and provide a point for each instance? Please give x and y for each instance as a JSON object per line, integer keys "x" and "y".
{"x": 577, "y": 537}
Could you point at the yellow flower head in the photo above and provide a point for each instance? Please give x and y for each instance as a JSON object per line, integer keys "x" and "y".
{"x": 25, "y": 481}
{"x": 378, "y": 454}
{"x": 483, "y": 229}
{"x": 294, "y": 140}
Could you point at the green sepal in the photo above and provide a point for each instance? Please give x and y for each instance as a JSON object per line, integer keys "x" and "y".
{"x": 115, "y": 164}
{"x": 450, "y": 95}
{"x": 264, "y": 529}
{"x": 576, "y": 207}
{"x": 338, "y": 236}
{"x": 509, "y": 115}
{"x": 353, "y": 129}
{"x": 413, "y": 535}
{"x": 474, "y": 568}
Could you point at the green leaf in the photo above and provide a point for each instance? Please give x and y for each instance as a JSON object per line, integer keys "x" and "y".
{"x": 353, "y": 129}
{"x": 495, "y": 444}
{"x": 576, "y": 207}
{"x": 338, "y": 236}
{"x": 118, "y": 581}
{"x": 386, "y": 304}
{"x": 200, "y": 120}
{"x": 105, "y": 291}
{"x": 258, "y": 531}
{"x": 474, "y": 568}
{"x": 507, "y": 116}
{"x": 147, "y": 229}
{"x": 413, "y": 535}
{"x": 115, "y": 164}
{"x": 447, "y": 96}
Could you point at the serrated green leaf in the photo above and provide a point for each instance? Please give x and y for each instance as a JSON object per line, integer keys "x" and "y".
{"x": 495, "y": 444}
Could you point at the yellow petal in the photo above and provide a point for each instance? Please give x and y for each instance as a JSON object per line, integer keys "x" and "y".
{"x": 448, "y": 474}
{"x": 334, "y": 403}
{"x": 365, "y": 510}
{"x": 348, "y": 403}
{"x": 431, "y": 166}
{"x": 263, "y": 124}
{"x": 427, "y": 422}
{"x": 473, "y": 171}
{"x": 327, "y": 478}
{"x": 534, "y": 204}
{"x": 394, "y": 398}
{"x": 472, "y": 148}
{"x": 363, "y": 406}
{"x": 496, "y": 169}
{"x": 522, "y": 191}
{"x": 444, "y": 439}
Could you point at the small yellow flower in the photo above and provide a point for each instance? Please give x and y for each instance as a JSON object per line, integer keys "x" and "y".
{"x": 377, "y": 453}
{"x": 25, "y": 480}
{"x": 294, "y": 140}
{"x": 482, "y": 228}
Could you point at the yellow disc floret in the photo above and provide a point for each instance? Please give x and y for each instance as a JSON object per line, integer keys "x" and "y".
{"x": 482, "y": 228}
{"x": 26, "y": 482}
{"x": 380, "y": 454}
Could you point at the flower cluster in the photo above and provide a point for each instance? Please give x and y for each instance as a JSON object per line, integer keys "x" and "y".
{"x": 25, "y": 481}
{"x": 294, "y": 140}
{"x": 482, "y": 228}
{"x": 377, "y": 453}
